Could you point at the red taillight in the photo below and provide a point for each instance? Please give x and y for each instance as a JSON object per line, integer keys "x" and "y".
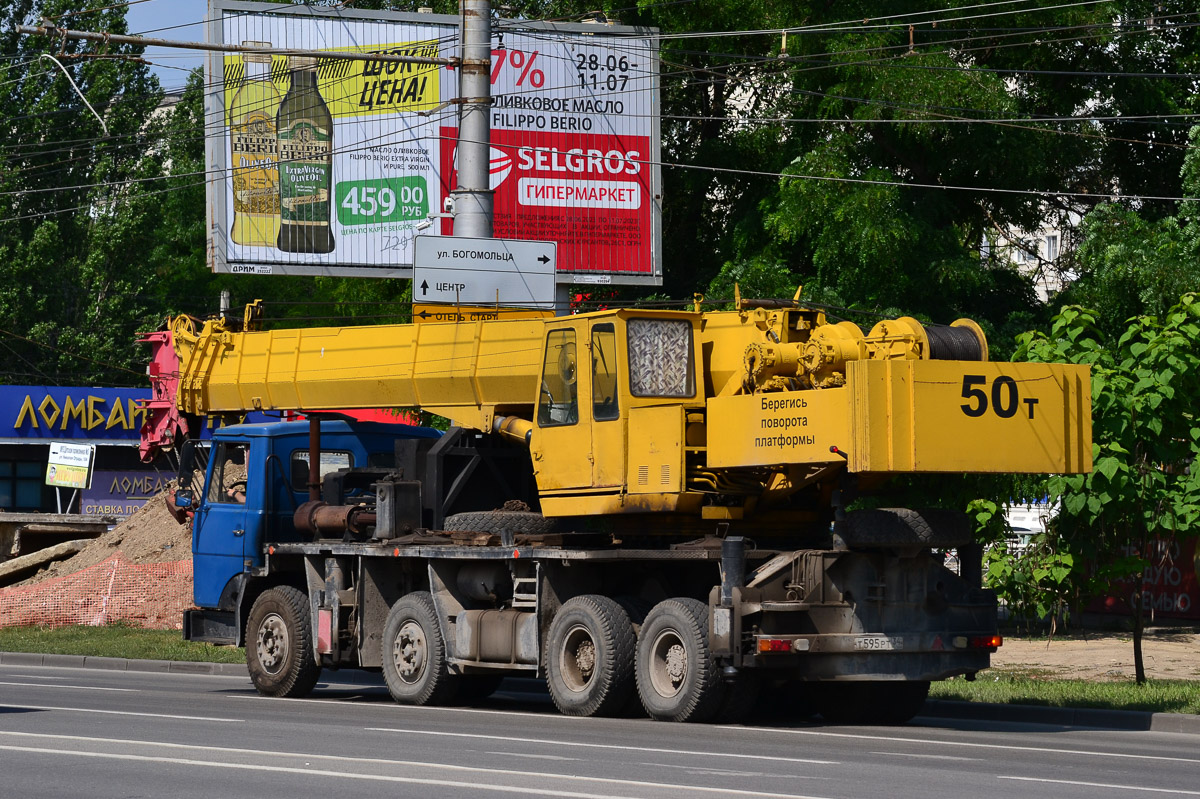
{"x": 992, "y": 642}
{"x": 774, "y": 645}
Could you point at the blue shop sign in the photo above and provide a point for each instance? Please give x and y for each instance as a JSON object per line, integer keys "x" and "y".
{"x": 78, "y": 413}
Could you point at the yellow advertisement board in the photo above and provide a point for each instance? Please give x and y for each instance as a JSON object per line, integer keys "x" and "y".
{"x": 70, "y": 465}
{"x": 356, "y": 88}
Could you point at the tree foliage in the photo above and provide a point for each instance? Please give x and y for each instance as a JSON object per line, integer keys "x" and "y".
{"x": 1146, "y": 438}
{"x": 902, "y": 140}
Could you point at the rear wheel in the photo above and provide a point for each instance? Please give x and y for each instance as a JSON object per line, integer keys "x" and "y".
{"x": 279, "y": 647}
{"x": 414, "y": 653}
{"x": 589, "y": 657}
{"x": 676, "y": 677}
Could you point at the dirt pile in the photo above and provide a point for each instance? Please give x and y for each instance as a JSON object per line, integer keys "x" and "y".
{"x": 149, "y": 536}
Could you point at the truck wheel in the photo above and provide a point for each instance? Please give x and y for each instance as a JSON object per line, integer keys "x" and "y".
{"x": 676, "y": 677}
{"x": 589, "y": 657}
{"x": 414, "y": 654}
{"x": 495, "y": 521}
{"x": 885, "y": 528}
{"x": 279, "y": 647}
{"x": 897, "y": 702}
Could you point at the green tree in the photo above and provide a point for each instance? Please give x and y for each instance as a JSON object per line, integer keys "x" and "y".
{"x": 77, "y": 200}
{"x": 1131, "y": 264}
{"x": 1146, "y": 438}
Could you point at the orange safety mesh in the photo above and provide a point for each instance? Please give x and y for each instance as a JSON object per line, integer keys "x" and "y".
{"x": 150, "y": 595}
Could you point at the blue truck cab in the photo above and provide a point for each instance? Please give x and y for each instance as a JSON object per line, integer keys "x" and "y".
{"x": 255, "y": 479}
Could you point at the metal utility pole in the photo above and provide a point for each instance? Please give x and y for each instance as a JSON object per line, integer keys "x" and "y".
{"x": 473, "y": 197}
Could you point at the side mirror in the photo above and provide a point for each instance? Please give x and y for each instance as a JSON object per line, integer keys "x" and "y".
{"x": 187, "y": 464}
{"x": 184, "y": 497}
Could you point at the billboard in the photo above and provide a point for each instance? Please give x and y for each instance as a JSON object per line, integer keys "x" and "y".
{"x": 70, "y": 465}
{"x": 325, "y": 166}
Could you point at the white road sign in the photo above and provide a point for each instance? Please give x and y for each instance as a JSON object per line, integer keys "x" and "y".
{"x": 466, "y": 271}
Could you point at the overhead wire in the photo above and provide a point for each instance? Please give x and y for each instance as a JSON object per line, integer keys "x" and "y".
{"x": 122, "y": 183}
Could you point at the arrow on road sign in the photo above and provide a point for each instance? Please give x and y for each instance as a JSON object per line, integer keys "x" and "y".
{"x": 424, "y": 287}
{"x": 544, "y": 259}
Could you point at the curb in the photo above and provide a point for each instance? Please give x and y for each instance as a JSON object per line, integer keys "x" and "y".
{"x": 1143, "y": 720}
{"x": 349, "y": 676}
{"x": 121, "y": 664}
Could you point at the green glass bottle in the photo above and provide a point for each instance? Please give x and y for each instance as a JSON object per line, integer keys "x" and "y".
{"x": 305, "y": 131}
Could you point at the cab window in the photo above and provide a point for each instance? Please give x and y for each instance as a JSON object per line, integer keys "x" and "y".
{"x": 229, "y": 474}
{"x": 331, "y": 461}
{"x": 558, "y": 403}
{"x": 604, "y": 373}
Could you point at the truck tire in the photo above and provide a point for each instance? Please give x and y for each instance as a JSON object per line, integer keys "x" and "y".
{"x": 279, "y": 645}
{"x": 496, "y": 521}
{"x": 676, "y": 676}
{"x": 589, "y": 657}
{"x": 414, "y": 653}
{"x": 886, "y": 528}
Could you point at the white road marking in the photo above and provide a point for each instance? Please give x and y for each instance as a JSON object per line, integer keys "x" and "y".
{"x": 72, "y": 687}
{"x": 35, "y": 677}
{"x": 273, "y": 756}
{"x": 618, "y": 747}
{"x": 927, "y": 757}
{"x": 391, "y": 706}
{"x": 935, "y": 742}
{"x": 121, "y": 713}
{"x": 535, "y": 757}
{"x": 1103, "y": 785}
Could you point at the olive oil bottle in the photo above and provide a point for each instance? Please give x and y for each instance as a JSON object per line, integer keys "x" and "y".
{"x": 253, "y": 150}
{"x": 305, "y": 131}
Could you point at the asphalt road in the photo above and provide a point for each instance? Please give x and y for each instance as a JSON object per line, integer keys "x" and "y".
{"x": 97, "y": 734}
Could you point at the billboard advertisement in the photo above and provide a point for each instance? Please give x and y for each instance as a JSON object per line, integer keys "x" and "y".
{"x": 326, "y": 166}
{"x": 70, "y": 465}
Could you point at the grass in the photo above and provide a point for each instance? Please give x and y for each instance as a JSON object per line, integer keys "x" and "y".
{"x": 115, "y": 640}
{"x": 1037, "y": 687}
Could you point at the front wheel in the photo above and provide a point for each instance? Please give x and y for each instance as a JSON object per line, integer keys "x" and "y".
{"x": 414, "y": 653}
{"x": 279, "y": 647}
{"x": 677, "y": 679}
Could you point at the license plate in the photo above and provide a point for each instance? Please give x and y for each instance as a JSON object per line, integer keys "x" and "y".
{"x": 879, "y": 644}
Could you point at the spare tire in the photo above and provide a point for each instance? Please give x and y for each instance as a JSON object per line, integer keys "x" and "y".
{"x": 884, "y": 528}
{"x": 498, "y": 521}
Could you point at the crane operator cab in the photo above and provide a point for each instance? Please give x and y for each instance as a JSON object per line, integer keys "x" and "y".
{"x": 609, "y": 429}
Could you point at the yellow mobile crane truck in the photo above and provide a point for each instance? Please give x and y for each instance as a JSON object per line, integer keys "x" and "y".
{"x": 638, "y": 506}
